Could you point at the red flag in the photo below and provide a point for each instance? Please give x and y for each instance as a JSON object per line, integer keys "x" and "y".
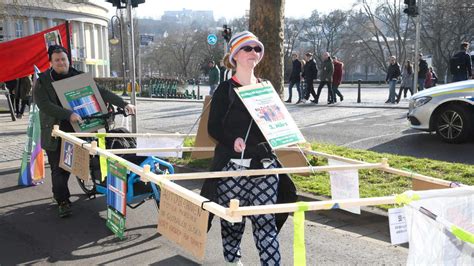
{"x": 18, "y": 56}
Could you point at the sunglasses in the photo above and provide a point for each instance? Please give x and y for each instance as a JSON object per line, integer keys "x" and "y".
{"x": 249, "y": 49}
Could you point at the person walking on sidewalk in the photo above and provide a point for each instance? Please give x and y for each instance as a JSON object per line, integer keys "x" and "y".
{"x": 295, "y": 79}
{"x": 214, "y": 77}
{"x": 337, "y": 78}
{"x": 326, "y": 78}
{"x": 428, "y": 79}
{"x": 393, "y": 73}
{"x": 12, "y": 90}
{"x": 53, "y": 113}
{"x": 461, "y": 64}
{"x": 310, "y": 73}
{"x": 407, "y": 81}
{"x": 23, "y": 95}
{"x": 422, "y": 70}
{"x": 241, "y": 145}
{"x": 434, "y": 77}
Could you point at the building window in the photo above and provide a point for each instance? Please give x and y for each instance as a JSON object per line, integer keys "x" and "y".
{"x": 38, "y": 25}
{"x": 19, "y": 28}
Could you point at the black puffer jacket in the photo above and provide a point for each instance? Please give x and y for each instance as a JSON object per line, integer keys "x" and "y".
{"x": 229, "y": 119}
{"x": 393, "y": 72}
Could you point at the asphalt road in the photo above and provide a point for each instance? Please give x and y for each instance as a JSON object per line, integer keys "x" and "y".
{"x": 31, "y": 233}
{"x": 355, "y": 125}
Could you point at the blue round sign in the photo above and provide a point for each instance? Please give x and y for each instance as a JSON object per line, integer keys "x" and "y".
{"x": 211, "y": 39}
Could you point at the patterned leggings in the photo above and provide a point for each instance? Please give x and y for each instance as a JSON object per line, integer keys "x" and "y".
{"x": 250, "y": 191}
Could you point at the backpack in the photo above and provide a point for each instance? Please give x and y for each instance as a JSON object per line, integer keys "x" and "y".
{"x": 456, "y": 64}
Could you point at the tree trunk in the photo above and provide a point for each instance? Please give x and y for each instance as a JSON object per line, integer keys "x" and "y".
{"x": 266, "y": 22}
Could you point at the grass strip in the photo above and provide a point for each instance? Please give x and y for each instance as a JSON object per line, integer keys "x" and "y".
{"x": 373, "y": 182}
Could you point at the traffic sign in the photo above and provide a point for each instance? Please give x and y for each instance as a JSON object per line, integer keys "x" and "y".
{"x": 211, "y": 39}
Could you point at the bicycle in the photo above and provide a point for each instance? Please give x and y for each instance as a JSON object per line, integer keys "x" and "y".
{"x": 137, "y": 191}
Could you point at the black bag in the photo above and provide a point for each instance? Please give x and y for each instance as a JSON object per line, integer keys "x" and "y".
{"x": 456, "y": 64}
{"x": 116, "y": 143}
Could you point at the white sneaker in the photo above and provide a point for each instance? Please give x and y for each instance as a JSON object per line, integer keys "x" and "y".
{"x": 237, "y": 263}
{"x": 303, "y": 100}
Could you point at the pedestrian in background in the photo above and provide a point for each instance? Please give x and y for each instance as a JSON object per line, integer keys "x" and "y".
{"x": 393, "y": 73}
{"x": 337, "y": 78}
{"x": 407, "y": 81}
{"x": 222, "y": 70}
{"x": 227, "y": 70}
{"x": 295, "y": 78}
{"x": 23, "y": 95}
{"x": 302, "y": 83}
{"x": 214, "y": 77}
{"x": 422, "y": 70}
{"x": 434, "y": 77}
{"x": 428, "y": 79}
{"x": 310, "y": 73}
{"x": 327, "y": 70}
{"x": 12, "y": 88}
{"x": 461, "y": 64}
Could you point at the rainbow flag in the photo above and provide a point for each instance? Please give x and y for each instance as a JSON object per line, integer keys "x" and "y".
{"x": 32, "y": 164}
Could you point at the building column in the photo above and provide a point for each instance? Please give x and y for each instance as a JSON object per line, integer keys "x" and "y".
{"x": 81, "y": 44}
{"x": 94, "y": 44}
{"x": 100, "y": 49}
{"x": 9, "y": 30}
{"x": 50, "y": 23}
{"x": 31, "y": 26}
{"x": 106, "y": 51}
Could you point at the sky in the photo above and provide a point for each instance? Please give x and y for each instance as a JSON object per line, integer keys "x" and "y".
{"x": 232, "y": 9}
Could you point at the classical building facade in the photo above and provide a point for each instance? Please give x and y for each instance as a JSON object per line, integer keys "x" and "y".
{"x": 89, "y": 28}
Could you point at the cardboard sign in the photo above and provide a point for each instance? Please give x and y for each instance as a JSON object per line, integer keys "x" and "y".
{"x": 425, "y": 185}
{"x": 74, "y": 159}
{"x": 344, "y": 184}
{"x": 80, "y": 94}
{"x": 286, "y": 158}
{"x": 52, "y": 38}
{"x": 270, "y": 114}
{"x": 398, "y": 226}
{"x": 116, "y": 197}
{"x": 202, "y": 137}
{"x": 162, "y": 142}
{"x": 115, "y": 222}
{"x": 117, "y": 186}
{"x": 292, "y": 159}
{"x": 183, "y": 222}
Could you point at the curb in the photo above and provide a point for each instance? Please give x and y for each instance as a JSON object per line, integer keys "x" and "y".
{"x": 10, "y": 166}
{"x": 350, "y": 105}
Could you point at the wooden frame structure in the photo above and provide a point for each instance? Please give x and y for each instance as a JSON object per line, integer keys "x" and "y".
{"x": 235, "y": 213}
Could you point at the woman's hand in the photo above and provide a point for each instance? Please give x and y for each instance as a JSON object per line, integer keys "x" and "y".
{"x": 239, "y": 145}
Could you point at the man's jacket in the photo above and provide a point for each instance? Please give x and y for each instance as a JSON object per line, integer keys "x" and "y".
{"x": 51, "y": 110}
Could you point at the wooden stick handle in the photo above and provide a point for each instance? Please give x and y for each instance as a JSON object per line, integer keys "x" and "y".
{"x": 262, "y": 172}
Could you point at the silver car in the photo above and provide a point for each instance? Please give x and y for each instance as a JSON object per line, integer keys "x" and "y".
{"x": 447, "y": 109}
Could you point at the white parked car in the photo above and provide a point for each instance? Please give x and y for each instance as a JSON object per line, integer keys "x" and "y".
{"x": 447, "y": 109}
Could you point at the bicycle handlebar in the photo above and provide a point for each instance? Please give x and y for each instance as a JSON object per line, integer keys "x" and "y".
{"x": 120, "y": 111}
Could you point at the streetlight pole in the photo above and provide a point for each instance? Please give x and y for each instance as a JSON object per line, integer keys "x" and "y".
{"x": 132, "y": 62}
{"x": 114, "y": 41}
{"x": 417, "y": 47}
